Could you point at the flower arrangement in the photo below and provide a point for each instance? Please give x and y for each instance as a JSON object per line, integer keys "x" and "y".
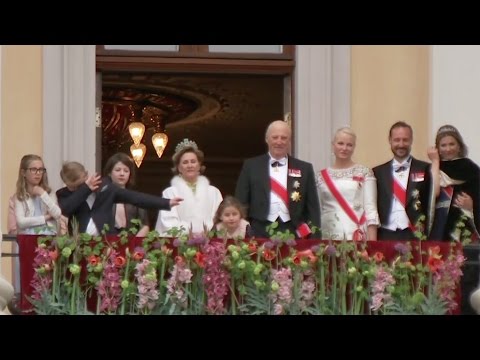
{"x": 195, "y": 274}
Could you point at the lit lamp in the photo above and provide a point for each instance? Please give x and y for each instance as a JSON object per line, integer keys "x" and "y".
{"x": 138, "y": 153}
{"x": 159, "y": 141}
{"x": 136, "y": 129}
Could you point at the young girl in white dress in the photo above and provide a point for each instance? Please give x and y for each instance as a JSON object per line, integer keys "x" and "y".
{"x": 348, "y": 194}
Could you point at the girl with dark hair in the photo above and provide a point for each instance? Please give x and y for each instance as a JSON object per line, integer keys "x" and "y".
{"x": 91, "y": 199}
{"x": 121, "y": 169}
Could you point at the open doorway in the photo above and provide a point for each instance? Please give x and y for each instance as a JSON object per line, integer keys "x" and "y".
{"x": 226, "y": 115}
{"x": 224, "y": 102}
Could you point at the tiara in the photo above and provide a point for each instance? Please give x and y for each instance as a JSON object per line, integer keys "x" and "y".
{"x": 447, "y": 128}
{"x": 185, "y": 143}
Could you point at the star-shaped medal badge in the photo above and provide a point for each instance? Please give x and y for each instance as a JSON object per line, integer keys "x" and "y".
{"x": 295, "y": 196}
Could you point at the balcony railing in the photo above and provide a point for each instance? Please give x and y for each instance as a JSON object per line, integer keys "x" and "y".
{"x": 470, "y": 280}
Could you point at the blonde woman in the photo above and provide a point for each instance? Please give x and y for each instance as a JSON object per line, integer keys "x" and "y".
{"x": 36, "y": 208}
{"x": 348, "y": 195}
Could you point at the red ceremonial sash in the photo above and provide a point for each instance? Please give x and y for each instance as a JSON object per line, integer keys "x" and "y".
{"x": 345, "y": 206}
{"x": 303, "y": 230}
{"x": 278, "y": 189}
{"x": 400, "y": 193}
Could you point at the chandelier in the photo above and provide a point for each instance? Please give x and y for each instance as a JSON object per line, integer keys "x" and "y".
{"x": 136, "y": 129}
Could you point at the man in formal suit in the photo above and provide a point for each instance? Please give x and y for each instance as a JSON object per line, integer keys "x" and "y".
{"x": 403, "y": 188}
{"x": 278, "y": 187}
{"x": 90, "y": 199}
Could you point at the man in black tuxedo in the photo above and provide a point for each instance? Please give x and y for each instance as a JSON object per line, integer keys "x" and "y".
{"x": 278, "y": 187}
{"x": 403, "y": 188}
{"x": 92, "y": 201}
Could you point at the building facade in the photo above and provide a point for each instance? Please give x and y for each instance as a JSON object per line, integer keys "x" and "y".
{"x": 48, "y": 103}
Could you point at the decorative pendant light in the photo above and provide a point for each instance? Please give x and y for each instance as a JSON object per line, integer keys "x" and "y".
{"x": 138, "y": 153}
{"x": 136, "y": 128}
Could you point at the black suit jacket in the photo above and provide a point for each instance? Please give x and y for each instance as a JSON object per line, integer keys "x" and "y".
{"x": 253, "y": 189}
{"x": 415, "y": 205}
{"x": 74, "y": 205}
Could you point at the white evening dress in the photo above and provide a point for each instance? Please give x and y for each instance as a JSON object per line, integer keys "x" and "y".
{"x": 357, "y": 185}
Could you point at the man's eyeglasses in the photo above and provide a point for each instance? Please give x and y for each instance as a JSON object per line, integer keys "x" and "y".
{"x": 37, "y": 170}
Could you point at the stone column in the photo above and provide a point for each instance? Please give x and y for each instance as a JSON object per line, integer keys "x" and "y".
{"x": 322, "y": 98}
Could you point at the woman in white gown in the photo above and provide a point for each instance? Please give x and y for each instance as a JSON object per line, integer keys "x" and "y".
{"x": 348, "y": 194}
{"x": 201, "y": 200}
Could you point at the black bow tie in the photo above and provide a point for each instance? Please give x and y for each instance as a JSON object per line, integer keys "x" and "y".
{"x": 277, "y": 163}
{"x": 400, "y": 169}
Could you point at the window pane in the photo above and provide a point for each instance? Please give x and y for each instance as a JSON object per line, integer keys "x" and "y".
{"x": 266, "y": 49}
{"x": 142, "y": 47}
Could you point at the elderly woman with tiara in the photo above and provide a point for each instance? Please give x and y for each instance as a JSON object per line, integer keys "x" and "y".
{"x": 201, "y": 199}
{"x": 459, "y": 194}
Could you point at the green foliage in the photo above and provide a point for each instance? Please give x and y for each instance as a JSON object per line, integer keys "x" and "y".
{"x": 265, "y": 278}
{"x": 275, "y": 234}
{"x": 256, "y": 301}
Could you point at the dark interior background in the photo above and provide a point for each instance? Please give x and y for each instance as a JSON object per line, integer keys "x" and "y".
{"x": 226, "y": 115}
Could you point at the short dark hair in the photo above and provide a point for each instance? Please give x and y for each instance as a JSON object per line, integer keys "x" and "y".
{"x": 400, "y": 124}
{"x": 125, "y": 160}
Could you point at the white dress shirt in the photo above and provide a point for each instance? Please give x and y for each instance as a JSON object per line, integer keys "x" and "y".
{"x": 398, "y": 219}
{"x": 277, "y": 206}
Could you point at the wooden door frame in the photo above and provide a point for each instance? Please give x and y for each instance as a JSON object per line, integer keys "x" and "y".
{"x": 197, "y": 60}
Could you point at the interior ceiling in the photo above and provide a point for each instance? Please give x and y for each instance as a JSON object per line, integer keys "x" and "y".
{"x": 225, "y": 114}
